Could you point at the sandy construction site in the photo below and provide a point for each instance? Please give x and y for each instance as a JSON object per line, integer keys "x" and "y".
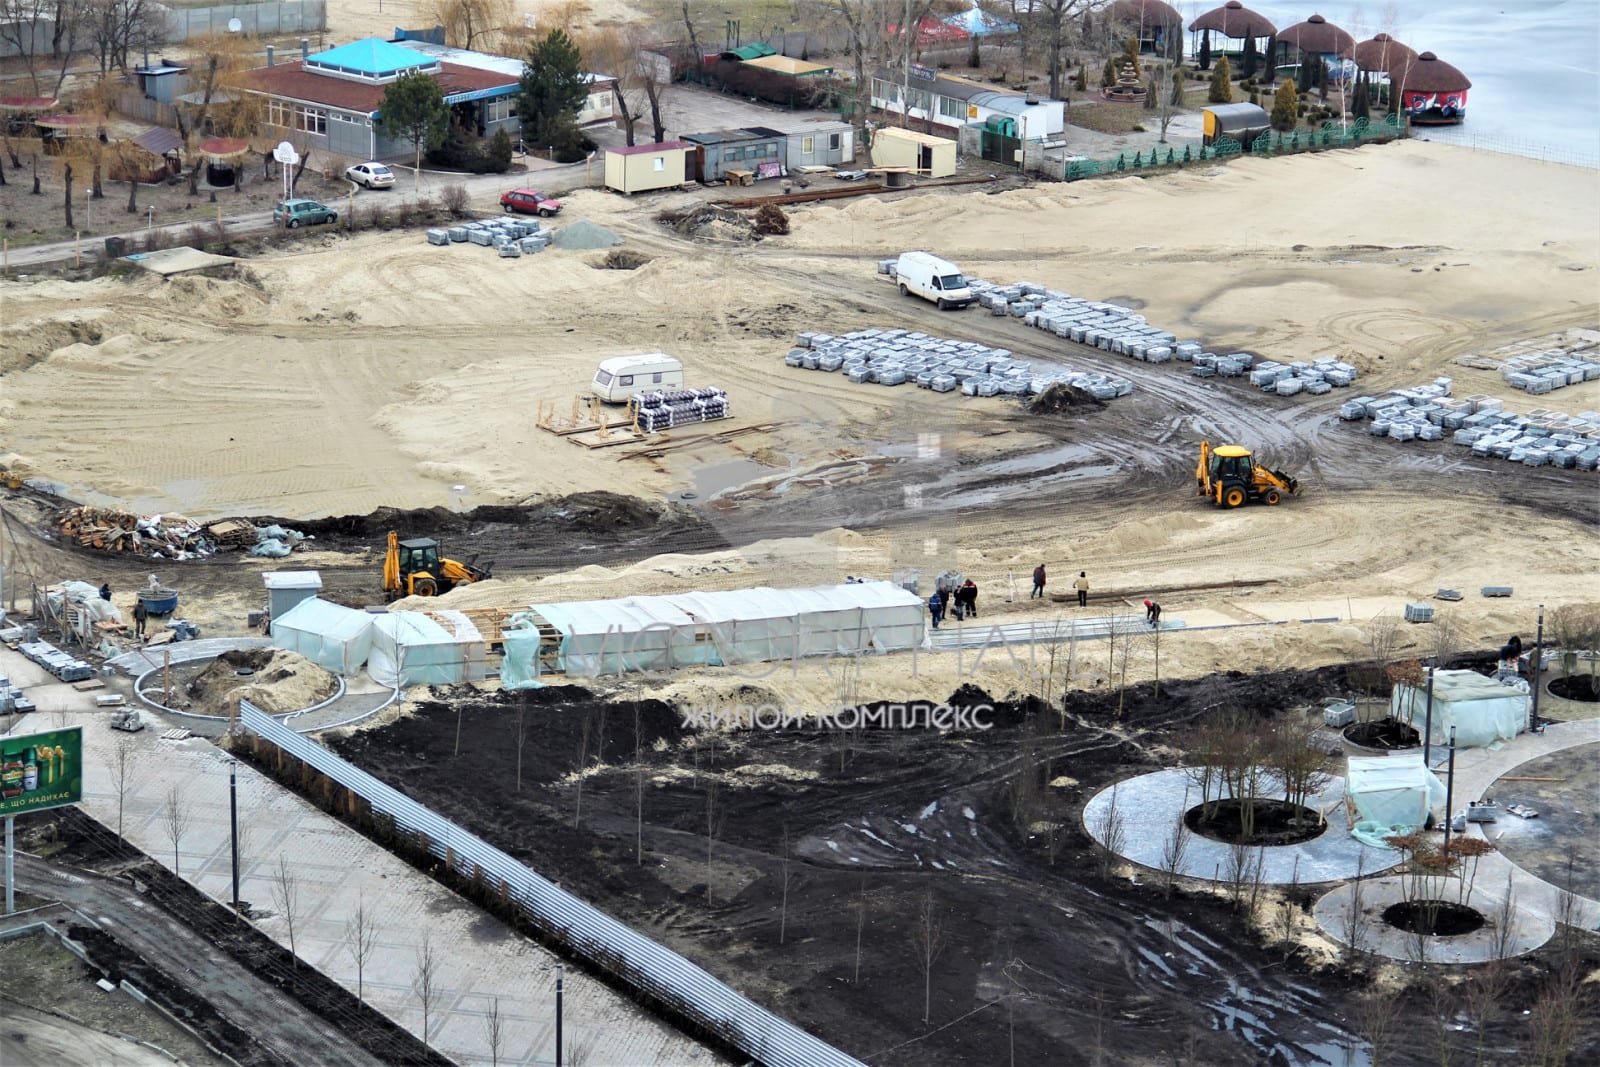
{"x": 347, "y": 374}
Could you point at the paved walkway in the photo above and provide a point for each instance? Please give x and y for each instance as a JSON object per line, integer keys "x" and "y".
{"x": 337, "y": 870}
{"x": 1477, "y": 771}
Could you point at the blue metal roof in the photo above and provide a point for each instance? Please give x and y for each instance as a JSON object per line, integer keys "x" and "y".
{"x": 372, "y": 57}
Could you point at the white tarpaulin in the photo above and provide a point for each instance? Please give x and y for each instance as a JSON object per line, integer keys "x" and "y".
{"x": 731, "y": 627}
{"x": 426, "y": 648}
{"x": 1481, "y": 710}
{"x": 1393, "y": 790}
{"x": 333, "y": 637}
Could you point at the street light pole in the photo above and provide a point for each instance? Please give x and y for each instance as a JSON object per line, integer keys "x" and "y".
{"x": 233, "y": 819}
{"x": 561, "y": 972}
{"x": 1533, "y": 673}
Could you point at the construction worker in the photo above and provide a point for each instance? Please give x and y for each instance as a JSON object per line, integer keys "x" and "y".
{"x": 936, "y": 608}
{"x": 1152, "y": 614}
{"x": 1082, "y": 586}
{"x": 1038, "y": 582}
{"x": 105, "y": 592}
{"x": 139, "y": 617}
{"x": 968, "y": 596}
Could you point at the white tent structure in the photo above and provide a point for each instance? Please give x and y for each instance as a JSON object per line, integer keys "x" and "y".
{"x": 1393, "y": 791}
{"x": 426, "y": 648}
{"x": 1481, "y": 710}
{"x": 646, "y": 633}
{"x": 333, "y": 637}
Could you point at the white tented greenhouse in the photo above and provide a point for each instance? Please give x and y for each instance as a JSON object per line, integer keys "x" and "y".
{"x": 333, "y": 637}
{"x": 652, "y": 633}
{"x": 1392, "y": 793}
{"x": 1481, "y": 710}
{"x": 433, "y": 648}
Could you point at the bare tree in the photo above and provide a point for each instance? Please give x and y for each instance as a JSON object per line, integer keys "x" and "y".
{"x": 1176, "y": 849}
{"x": 45, "y": 53}
{"x": 783, "y": 910}
{"x": 122, "y": 775}
{"x": 584, "y": 729}
{"x": 1055, "y": 16}
{"x": 426, "y": 982}
{"x": 1446, "y": 637}
{"x": 861, "y": 924}
{"x": 114, "y": 27}
{"x": 1112, "y": 834}
{"x": 286, "y": 898}
{"x": 580, "y": 1050}
{"x": 522, "y": 735}
{"x": 174, "y": 822}
{"x": 473, "y": 24}
{"x": 1483, "y": 993}
{"x": 1376, "y": 1016}
{"x": 1356, "y": 926}
{"x": 494, "y": 1032}
{"x": 1382, "y": 634}
{"x": 361, "y": 937}
{"x": 927, "y": 938}
{"x": 713, "y": 821}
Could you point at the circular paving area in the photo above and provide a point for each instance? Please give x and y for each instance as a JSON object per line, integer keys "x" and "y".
{"x": 1505, "y": 932}
{"x": 1562, "y": 787}
{"x": 1151, "y": 806}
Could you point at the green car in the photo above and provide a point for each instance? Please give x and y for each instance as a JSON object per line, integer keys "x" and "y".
{"x": 295, "y": 213}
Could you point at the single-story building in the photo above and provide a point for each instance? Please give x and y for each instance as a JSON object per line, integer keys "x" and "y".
{"x": 641, "y": 168}
{"x": 948, "y": 103}
{"x": 759, "y": 150}
{"x": 789, "y": 66}
{"x": 923, "y": 153}
{"x": 598, "y": 106}
{"x": 329, "y": 100}
{"x": 820, "y": 143}
{"x": 161, "y": 81}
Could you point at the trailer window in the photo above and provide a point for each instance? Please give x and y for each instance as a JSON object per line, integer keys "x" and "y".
{"x": 952, "y": 281}
{"x": 626, "y": 379}
{"x": 602, "y": 377}
{"x": 655, "y": 379}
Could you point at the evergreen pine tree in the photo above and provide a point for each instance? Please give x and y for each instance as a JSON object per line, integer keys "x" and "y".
{"x": 1250, "y": 57}
{"x": 1205, "y": 50}
{"x": 1177, "y": 88}
{"x": 1108, "y": 76}
{"x": 1285, "y": 107}
{"x": 1082, "y": 82}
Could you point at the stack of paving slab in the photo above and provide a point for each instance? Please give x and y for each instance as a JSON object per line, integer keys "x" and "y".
{"x": 1316, "y": 377}
{"x": 1556, "y": 368}
{"x": 67, "y": 668}
{"x": 662, "y": 409}
{"x": 511, "y": 237}
{"x": 899, "y": 357}
{"x": 1536, "y": 439}
{"x": 1110, "y": 327}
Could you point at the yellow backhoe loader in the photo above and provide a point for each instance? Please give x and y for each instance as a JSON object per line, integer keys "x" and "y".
{"x": 414, "y": 568}
{"x": 1229, "y": 477}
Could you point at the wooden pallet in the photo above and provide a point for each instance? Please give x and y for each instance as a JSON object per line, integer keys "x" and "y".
{"x": 177, "y": 733}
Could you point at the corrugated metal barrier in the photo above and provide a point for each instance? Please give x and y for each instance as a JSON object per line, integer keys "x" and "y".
{"x": 588, "y": 932}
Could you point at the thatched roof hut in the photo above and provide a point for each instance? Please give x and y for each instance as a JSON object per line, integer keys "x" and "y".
{"x": 1316, "y": 36}
{"x": 1431, "y": 91}
{"x": 1146, "y": 14}
{"x": 1383, "y": 54}
{"x": 1234, "y": 20}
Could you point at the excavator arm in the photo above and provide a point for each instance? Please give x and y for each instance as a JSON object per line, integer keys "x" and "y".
{"x": 455, "y": 572}
{"x": 391, "y": 565}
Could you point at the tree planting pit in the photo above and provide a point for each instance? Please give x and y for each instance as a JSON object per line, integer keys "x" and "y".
{"x": 1435, "y": 918}
{"x": 1582, "y": 687}
{"x": 1383, "y": 735}
{"x": 1273, "y": 822}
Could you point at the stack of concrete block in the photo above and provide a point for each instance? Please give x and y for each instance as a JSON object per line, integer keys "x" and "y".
{"x": 1316, "y": 377}
{"x": 1109, "y": 327}
{"x": 1555, "y": 368}
{"x": 891, "y": 357}
{"x": 509, "y": 236}
{"x": 1538, "y": 438}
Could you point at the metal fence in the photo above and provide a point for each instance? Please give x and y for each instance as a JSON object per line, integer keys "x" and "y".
{"x": 657, "y": 972}
{"x": 257, "y": 20}
{"x": 1273, "y": 143}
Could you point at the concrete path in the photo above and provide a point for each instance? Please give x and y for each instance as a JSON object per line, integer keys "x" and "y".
{"x": 1478, "y": 769}
{"x": 337, "y": 871}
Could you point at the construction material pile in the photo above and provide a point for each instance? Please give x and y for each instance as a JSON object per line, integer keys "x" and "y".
{"x": 65, "y": 667}
{"x": 895, "y": 357}
{"x": 511, "y": 237}
{"x": 171, "y": 536}
{"x": 663, "y": 409}
{"x": 1317, "y": 377}
{"x": 709, "y": 222}
{"x": 1556, "y": 368}
{"x": 1539, "y": 438}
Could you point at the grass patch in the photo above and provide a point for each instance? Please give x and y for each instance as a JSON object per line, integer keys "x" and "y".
{"x": 1109, "y": 118}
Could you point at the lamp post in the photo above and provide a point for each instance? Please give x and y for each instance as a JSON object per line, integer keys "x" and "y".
{"x": 233, "y": 823}
{"x": 561, "y": 972}
{"x": 1533, "y": 673}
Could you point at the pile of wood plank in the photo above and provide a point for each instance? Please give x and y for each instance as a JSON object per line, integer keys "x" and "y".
{"x": 115, "y": 530}
{"x": 231, "y": 533}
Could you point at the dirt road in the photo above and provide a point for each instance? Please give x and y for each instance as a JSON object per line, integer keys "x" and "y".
{"x": 286, "y": 1032}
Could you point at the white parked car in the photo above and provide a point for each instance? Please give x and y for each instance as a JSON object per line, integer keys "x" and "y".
{"x": 372, "y": 175}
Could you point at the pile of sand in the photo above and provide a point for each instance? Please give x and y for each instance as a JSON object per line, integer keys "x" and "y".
{"x": 281, "y": 681}
{"x": 584, "y": 234}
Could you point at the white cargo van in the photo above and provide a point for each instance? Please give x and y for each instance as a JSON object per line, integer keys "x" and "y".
{"x": 619, "y": 377}
{"x": 932, "y": 278}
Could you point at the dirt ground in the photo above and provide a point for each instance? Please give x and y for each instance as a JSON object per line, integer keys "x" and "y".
{"x": 1038, "y": 948}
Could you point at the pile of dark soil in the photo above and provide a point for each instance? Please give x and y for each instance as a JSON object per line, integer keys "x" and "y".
{"x": 1437, "y": 918}
{"x": 1061, "y": 397}
{"x": 1273, "y": 822}
{"x": 770, "y": 220}
{"x": 711, "y": 222}
{"x": 622, "y": 259}
{"x": 1383, "y": 733}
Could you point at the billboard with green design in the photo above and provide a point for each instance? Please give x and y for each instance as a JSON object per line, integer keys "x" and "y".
{"x": 41, "y": 771}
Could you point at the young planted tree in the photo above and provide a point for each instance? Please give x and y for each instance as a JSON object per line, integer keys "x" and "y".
{"x": 584, "y": 729}
{"x": 413, "y": 110}
{"x": 46, "y": 55}
{"x": 713, "y": 821}
{"x": 361, "y": 937}
{"x": 927, "y": 940}
{"x": 861, "y": 926}
{"x": 552, "y": 93}
{"x": 494, "y": 1032}
{"x": 174, "y": 822}
{"x": 122, "y": 775}
{"x": 1221, "y": 90}
{"x": 286, "y": 898}
{"x": 1292, "y": 754}
{"x": 783, "y": 909}
{"x": 1055, "y": 16}
{"x": 426, "y": 983}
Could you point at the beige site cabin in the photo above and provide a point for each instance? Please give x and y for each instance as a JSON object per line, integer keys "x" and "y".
{"x": 932, "y": 157}
{"x": 618, "y": 378}
{"x": 641, "y": 168}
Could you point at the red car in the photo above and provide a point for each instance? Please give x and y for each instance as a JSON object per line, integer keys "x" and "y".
{"x": 530, "y": 202}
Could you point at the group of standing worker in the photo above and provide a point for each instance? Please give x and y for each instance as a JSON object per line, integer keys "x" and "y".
{"x": 1081, "y": 585}
{"x": 962, "y": 601}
